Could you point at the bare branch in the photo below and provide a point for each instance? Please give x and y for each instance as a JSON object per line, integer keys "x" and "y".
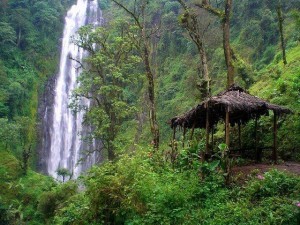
{"x": 183, "y": 5}
{"x": 133, "y": 14}
{"x": 205, "y": 30}
{"x": 210, "y": 9}
{"x": 76, "y": 60}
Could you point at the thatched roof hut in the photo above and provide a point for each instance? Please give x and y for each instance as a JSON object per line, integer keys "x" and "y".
{"x": 241, "y": 107}
{"x": 233, "y": 106}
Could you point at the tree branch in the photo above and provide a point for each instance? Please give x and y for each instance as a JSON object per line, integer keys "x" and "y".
{"x": 130, "y": 13}
{"x": 76, "y": 60}
{"x": 210, "y": 9}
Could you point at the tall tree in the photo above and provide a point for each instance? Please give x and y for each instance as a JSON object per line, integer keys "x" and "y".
{"x": 225, "y": 19}
{"x": 7, "y": 34}
{"x": 226, "y": 43}
{"x": 107, "y": 78}
{"x": 143, "y": 43}
{"x": 63, "y": 172}
{"x": 280, "y": 24}
{"x": 192, "y": 25}
{"x": 9, "y": 134}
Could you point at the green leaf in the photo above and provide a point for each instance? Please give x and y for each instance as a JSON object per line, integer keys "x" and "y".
{"x": 213, "y": 165}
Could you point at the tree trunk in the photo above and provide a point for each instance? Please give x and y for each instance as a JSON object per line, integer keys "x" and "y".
{"x": 225, "y": 19}
{"x": 25, "y": 159}
{"x": 257, "y": 150}
{"x": 192, "y": 26}
{"x": 227, "y": 128}
{"x": 205, "y": 72}
{"x": 280, "y": 23}
{"x": 110, "y": 152}
{"x": 226, "y": 44}
{"x": 151, "y": 91}
{"x": 144, "y": 46}
{"x": 207, "y": 129}
{"x": 111, "y": 137}
{"x": 275, "y": 138}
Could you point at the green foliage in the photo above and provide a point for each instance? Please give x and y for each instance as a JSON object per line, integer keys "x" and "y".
{"x": 188, "y": 158}
{"x": 111, "y": 80}
{"x": 45, "y": 17}
{"x": 141, "y": 190}
{"x": 9, "y": 133}
{"x": 9, "y": 168}
{"x": 111, "y": 199}
{"x": 104, "y": 4}
{"x": 140, "y": 187}
{"x": 271, "y": 184}
{"x": 77, "y": 211}
{"x": 27, "y": 45}
{"x": 7, "y": 34}
{"x": 18, "y": 137}
{"x": 19, "y": 194}
{"x": 28, "y": 50}
{"x": 280, "y": 85}
{"x": 52, "y": 200}
{"x": 3, "y": 214}
{"x": 63, "y": 172}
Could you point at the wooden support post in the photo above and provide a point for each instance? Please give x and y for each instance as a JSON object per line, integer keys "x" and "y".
{"x": 258, "y": 151}
{"x": 173, "y": 148}
{"x": 275, "y": 138}
{"x": 212, "y": 138}
{"x": 227, "y": 128}
{"x": 174, "y": 133}
{"x": 207, "y": 129}
{"x": 255, "y": 140}
{"x": 240, "y": 140}
{"x": 192, "y": 132}
{"x": 227, "y": 160}
{"x": 173, "y": 138}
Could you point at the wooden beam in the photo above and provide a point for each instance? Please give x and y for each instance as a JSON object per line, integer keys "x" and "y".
{"x": 275, "y": 138}
{"x": 227, "y": 128}
{"x": 192, "y": 132}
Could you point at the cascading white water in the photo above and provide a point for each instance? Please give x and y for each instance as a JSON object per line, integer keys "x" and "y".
{"x": 65, "y": 143}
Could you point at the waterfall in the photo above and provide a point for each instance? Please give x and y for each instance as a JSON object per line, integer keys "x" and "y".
{"x": 62, "y": 144}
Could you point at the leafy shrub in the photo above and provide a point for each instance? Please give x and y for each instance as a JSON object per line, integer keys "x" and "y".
{"x": 274, "y": 183}
{"x": 77, "y": 211}
{"x": 3, "y": 214}
{"x": 52, "y": 200}
{"x": 138, "y": 189}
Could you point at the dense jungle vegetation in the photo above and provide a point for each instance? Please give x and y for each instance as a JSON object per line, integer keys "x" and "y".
{"x": 150, "y": 61}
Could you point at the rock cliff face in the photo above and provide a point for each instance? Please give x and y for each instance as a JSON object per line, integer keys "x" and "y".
{"x": 45, "y": 121}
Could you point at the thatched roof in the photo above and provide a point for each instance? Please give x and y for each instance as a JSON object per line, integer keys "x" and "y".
{"x": 241, "y": 106}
